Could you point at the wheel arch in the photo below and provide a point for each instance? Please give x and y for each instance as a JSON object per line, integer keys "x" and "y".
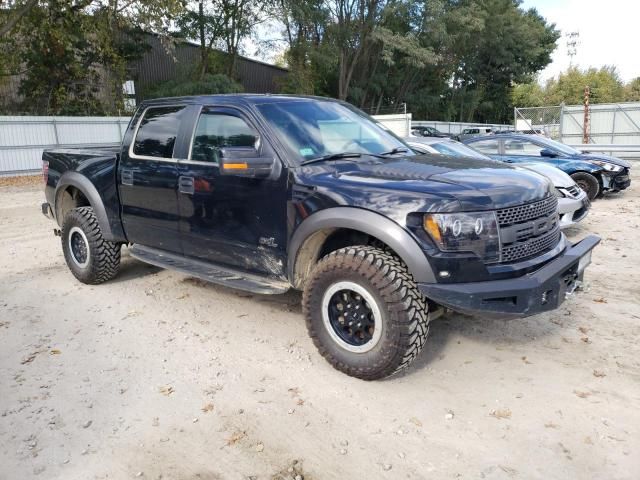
{"x": 312, "y": 235}
{"x": 71, "y": 181}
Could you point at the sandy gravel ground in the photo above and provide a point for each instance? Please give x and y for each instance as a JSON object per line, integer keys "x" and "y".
{"x": 157, "y": 375}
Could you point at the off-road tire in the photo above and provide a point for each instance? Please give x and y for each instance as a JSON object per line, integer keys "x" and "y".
{"x": 104, "y": 256}
{"x": 588, "y": 183}
{"x": 404, "y": 311}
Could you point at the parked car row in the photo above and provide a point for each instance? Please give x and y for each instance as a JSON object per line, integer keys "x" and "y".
{"x": 573, "y": 203}
{"x": 594, "y": 173}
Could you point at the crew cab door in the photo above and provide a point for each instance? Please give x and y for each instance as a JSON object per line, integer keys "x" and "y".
{"x": 148, "y": 178}
{"x": 235, "y": 221}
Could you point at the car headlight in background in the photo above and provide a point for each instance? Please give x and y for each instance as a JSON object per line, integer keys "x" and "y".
{"x": 475, "y": 232}
{"x": 609, "y": 167}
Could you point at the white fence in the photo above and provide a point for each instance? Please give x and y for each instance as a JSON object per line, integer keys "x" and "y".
{"x": 399, "y": 123}
{"x": 22, "y": 139}
{"x": 457, "y": 127}
{"x": 614, "y": 124}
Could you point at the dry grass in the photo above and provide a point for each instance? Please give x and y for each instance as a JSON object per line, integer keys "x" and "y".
{"x": 22, "y": 181}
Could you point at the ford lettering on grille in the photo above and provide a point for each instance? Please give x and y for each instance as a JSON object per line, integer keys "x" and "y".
{"x": 528, "y": 230}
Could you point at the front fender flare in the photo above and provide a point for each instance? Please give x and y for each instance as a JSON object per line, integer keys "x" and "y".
{"x": 365, "y": 221}
{"x": 82, "y": 183}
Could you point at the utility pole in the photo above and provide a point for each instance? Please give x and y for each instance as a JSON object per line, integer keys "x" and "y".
{"x": 585, "y": 124}
{"x": 572, "y": 45}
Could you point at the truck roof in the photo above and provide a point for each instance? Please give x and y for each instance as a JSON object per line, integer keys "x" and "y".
{"x": 252, "y": 98}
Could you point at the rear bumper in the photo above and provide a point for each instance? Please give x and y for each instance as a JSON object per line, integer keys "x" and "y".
{"x": 536, "y": 292}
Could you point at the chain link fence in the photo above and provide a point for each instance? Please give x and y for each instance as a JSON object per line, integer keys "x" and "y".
{"x": 541, "y": 120}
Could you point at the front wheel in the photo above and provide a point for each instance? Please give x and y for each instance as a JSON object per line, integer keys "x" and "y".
{"x": 365, "y": 313}
{"x": 90, "y": 257}
{"x": 588, "y": 183}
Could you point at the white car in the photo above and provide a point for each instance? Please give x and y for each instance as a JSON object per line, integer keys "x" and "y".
{"x": 573, "y": 203}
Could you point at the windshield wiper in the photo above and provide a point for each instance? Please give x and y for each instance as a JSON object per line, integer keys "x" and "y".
{"x": 332, "y": 156}
{"x": 395, "y": 150}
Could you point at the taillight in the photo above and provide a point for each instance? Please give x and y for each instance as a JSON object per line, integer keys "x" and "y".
{"x": 45, "y": 171}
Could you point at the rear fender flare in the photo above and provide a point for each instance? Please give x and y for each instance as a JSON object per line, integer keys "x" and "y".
{"x": 84, "y": 185}
{"x": 365, "y": 221}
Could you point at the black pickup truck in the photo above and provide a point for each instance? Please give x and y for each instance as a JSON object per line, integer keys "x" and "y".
{"x": 266, "y": 193}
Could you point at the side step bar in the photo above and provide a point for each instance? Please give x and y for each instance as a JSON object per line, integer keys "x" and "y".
{"x": 208, "y": 272}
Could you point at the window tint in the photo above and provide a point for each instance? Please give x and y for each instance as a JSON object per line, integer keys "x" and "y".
{"x": 521, "y": 147}
{"x": 489, "y": 147}
{"x": 157, "y": 132}
{"x": 215, "y": 131}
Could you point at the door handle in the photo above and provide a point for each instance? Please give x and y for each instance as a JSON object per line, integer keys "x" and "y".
{"x": 186, "y": 185}
{"x": 126, "y": 176}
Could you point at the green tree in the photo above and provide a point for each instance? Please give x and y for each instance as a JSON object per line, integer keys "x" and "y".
{"x": 221, "y": 23}
{"x": 604, "y": 83}
{"x": 528, "y": 95}
{"x": 71, "y": 54}
{"x": 632, "y": 91}
{"x": 207, "y": 85}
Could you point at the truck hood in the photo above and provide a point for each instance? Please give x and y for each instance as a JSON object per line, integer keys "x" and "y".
{"x": 442, "y": 182}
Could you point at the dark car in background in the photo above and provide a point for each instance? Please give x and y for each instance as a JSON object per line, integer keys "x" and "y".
{"x": 469, "y": 133}
{"x": 594, "y": 173}
{"x": 425, "y": 131}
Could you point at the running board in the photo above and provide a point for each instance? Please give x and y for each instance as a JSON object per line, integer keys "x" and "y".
{"x": 208, "y": 272}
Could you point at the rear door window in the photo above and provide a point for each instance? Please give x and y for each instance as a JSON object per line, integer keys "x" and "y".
{"x": 488, "y": 147}
{"x": 521, "y": 148}
{"x": 157, "y": 132}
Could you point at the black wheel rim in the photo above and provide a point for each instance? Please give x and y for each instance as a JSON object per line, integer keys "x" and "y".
{"x": 351, "y": 317}
{"x": 79, "y": 248}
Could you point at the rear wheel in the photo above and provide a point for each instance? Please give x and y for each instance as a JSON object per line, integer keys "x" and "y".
{"x": 588, "y": 183}
{"x": 365, "y": 313}
{"x": 90, "y": 257}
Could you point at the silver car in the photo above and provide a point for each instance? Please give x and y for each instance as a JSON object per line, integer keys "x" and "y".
{"x": 573, "y": 203}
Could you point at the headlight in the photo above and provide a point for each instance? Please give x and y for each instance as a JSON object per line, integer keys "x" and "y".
{"x": 609, "y": 167}
{"x": 465, "y": 232}
{"x": 558, "y": 193}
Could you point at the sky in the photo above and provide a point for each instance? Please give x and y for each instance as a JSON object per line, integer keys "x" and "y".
{"x": 608, "y": 31}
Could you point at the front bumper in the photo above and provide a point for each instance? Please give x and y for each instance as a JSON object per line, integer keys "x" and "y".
{"x": 573, "y": 210}
{"x": 530, "y": 294}
{"x": 617, "y": 181}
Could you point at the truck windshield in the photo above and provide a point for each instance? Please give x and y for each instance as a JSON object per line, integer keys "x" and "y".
{"x": 314, "y": 129}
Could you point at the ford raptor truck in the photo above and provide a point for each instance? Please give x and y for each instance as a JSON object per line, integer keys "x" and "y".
{"x": 266, "y": 193}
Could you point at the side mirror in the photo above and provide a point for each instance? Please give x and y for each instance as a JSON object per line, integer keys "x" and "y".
{"x": 245, "y": 162}
{"x": 547, "y": 152}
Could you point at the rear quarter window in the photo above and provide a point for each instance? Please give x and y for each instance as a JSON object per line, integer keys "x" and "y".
{"x": 157, "y": 132}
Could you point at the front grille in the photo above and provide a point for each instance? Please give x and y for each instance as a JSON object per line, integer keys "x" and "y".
{"x": 531, "y": 247}
{"x": 528, "y": 230}
{"x": 529, "y": 211}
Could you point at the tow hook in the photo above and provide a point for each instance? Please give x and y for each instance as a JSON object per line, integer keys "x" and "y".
{"x": 57, "y": 232}
{"x": 577, "y": 285}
